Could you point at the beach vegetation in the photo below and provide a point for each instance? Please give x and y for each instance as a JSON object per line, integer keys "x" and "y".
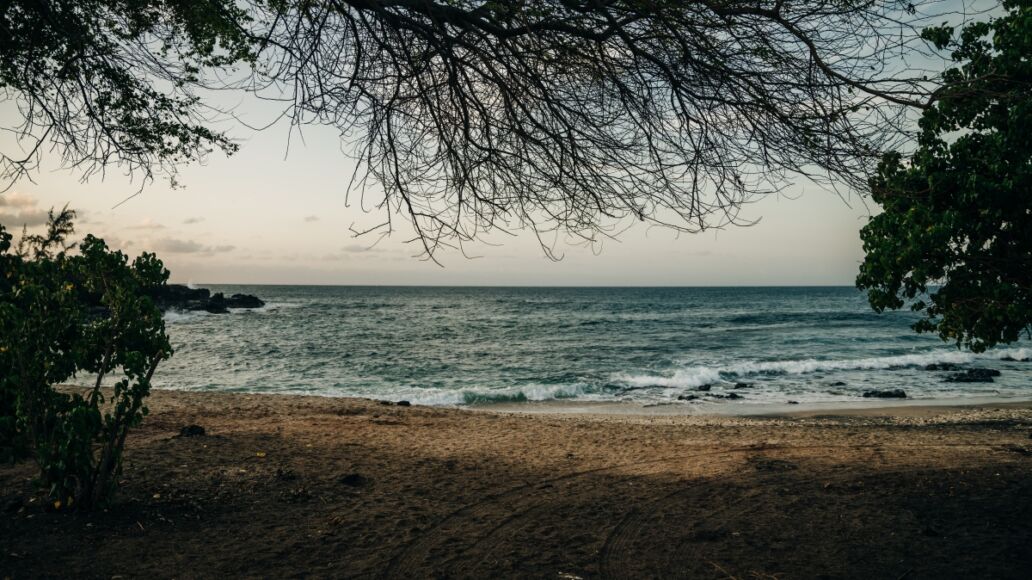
{"x": 75, "y": 310}
{"x": 954, "y": 242}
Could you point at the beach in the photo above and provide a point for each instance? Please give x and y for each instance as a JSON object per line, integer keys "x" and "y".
{"x": 339, "y": 487}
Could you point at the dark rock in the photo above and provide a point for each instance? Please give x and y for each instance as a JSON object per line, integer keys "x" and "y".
{"x": 687, "y": 397}
{"x": 192, "y": 431}
{"x": 837, "y": 384}
{"x": 942, "y": 367}
{"x": 180, "y": 297}
{"x": 731, "y": 396}
{"x": 352, "y": 480}
{"x": 403, "y": 404}
{"x": 244, "y": 301}
{"x": 387, "y": 403}
{"x": 1012, "y": 359}
{"x": 974, "y": 376}
{"x": 793, "y": 402}
{"x": 704, "y": 388}
{"x": 743, "y": 385}
{"x": 885, "y": 394}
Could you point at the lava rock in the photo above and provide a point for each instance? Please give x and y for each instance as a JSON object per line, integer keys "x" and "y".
{"x": 793, "y": 402}
{"x": 704, "y": 388}
{"x": 687, "y": 397}
{"x": 743, "y": 385}
{"x": 192, "y": 431}
{"x": 837, "y": 384}
{"x": 942, "y": 367}
{"x": 180, "y": 297}
{"x": 731, "y": 396}
{"x": 244, "y": 301}
{"x": 403, "y": 404}
{"x": 974, "y": 376}
{"x": 885, "y": 394}
{"x": 352, "y": 480}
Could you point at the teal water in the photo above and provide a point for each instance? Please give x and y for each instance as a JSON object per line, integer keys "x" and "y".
{"x": 467, "y": 346}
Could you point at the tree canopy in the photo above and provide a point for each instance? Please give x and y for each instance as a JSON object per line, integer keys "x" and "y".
{"x": 955, "y": 239}
{"x": 469, "y": 115}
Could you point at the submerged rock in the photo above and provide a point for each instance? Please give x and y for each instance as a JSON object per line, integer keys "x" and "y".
{"x": 704, "y": 388}
{"x": 1009, "y": 358}
{"x": 743, "y": 385}
{"x": 885, "y": 394}
{"x": 731, "y": 396}
{"x": 687, "y": 397}
{"x": 942, "y": 366}
{"x": 974, "y": 376}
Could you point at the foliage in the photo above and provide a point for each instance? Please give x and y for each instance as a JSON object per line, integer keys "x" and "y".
{"x": 955, "y": 238}
{"x": 63, "y": 314}
{"x": 110, "y": 81}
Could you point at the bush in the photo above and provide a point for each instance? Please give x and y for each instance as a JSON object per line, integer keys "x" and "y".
{"x": 64, "y": 313}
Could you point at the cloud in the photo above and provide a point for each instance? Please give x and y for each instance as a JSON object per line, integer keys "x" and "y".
{"x": 193, "y": 220}
{"x": 361, "y": 249}
{"x": 17, "y": 209}
{"x": 17, "y": 200}
{"x": 146, "y": 224}
{"x": 178, "y": 246}
{"x": 311, "y": 218}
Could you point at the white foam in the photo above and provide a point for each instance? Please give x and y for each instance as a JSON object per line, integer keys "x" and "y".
{"x": 180, "y": 316}
{"x": 697, "y": 376}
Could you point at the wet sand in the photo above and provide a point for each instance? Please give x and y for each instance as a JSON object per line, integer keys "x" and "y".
{"x": 307, "y": 486}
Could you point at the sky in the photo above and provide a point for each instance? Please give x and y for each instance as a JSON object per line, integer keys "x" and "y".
{"x": 267, "y": 215}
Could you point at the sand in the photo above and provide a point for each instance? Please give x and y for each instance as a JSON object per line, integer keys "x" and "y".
{"x": 320, "y": 487}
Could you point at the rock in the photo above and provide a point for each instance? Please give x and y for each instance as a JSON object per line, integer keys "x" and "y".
{"x": 837, "y": 384}
{"x": 687, "y": 397}
{"x": 244, "y": 301}
{"x": 352, "y": 480}
{"x": 1012, "y": 359}
{"x": 974, "y": 376}
{"x": 192, "y": 431}
{"x": 743, "y": 385}
{"x": 942, "y": 367}
{"x": 731, "y": 396}
{"x": 704, "y": 388}
{"x": 885, "y": 394}
{"x": 403, "y": 404}
{"x": 793, "y": 402}
{"x": 180, "y": 297}
{"x": 386, "y": 403}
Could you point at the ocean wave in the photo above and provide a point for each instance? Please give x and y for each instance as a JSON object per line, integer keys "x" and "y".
{"x": 522, "y": 394}
{"x": 180, "y": 316}
{"x": 697, "y": 376}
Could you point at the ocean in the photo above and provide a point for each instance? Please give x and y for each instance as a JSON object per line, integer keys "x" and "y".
{"x": 648, "y": 346}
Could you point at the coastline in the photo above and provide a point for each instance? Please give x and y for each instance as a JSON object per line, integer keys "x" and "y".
{"x": 353, "y": 487}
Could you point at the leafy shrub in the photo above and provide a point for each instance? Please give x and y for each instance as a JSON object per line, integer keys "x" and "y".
{"x": 65, "y": 313}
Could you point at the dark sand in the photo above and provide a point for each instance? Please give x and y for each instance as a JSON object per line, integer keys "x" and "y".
{"x": 304, "y": 486}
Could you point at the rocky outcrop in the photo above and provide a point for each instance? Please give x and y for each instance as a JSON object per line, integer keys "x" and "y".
{"x": 885, "y": 394}
{"x": 180, "y": 297}
{"x": 974, "y": 376}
